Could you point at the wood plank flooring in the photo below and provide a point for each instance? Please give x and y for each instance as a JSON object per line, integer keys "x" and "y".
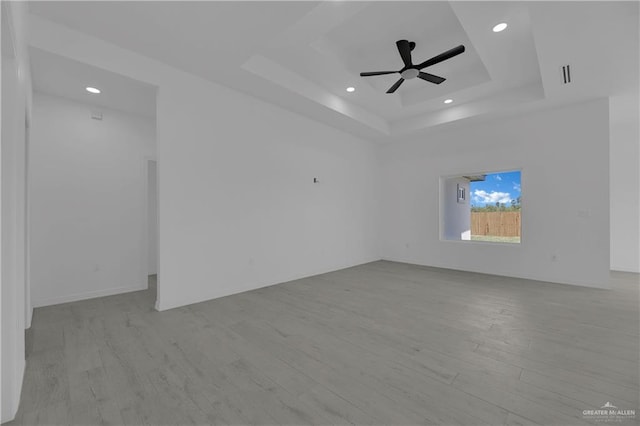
{"x": 381, "y": 343}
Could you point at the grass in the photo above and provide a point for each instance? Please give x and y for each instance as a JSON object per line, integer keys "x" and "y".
{"x": 495, "y": 239}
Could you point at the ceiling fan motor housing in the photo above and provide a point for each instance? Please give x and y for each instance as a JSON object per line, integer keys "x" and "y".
{"x": 409, "y": 73}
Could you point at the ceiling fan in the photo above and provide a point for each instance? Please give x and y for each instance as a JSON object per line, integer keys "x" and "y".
{"x": 412, "y": 71}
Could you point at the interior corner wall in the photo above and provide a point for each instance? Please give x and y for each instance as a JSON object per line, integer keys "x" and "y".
{"x": 238, "y": 206}
{"x": 625, "y": 178}
{"x": 88, "y": 203}
{"x": 564, "y": 158}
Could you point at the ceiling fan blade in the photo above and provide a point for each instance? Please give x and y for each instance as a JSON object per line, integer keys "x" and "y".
{"x": 395, "y": 86}
{"x": 442, "y": 57}
{"x": 404, "y": 47}
{"x": 369, "y": 74}
{"x": 431, "y": 78}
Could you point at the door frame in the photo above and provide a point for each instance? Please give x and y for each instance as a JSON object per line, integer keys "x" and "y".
{"x": 145, "y": 227}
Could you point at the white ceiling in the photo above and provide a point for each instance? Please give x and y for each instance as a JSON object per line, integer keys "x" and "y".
{"x": 302, "y": 55}
{"x": 65, "y": 77}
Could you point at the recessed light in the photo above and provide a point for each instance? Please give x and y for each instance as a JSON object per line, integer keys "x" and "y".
{"x": 448, "y": 101}
{"x": 500, "y": 27}
{"x": 92, "y": 90}
{"x": 351, "y": 89}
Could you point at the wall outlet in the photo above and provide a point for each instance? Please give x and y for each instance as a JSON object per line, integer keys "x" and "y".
{"x": 584, "y": 214}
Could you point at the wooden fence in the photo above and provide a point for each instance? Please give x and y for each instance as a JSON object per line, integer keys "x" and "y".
{"x": 499, "y": 224}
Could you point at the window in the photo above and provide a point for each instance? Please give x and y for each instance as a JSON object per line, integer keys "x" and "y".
{"x": 482, "y": 207}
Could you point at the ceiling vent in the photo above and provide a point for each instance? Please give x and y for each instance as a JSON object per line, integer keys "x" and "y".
{"x": 565, "y": 72}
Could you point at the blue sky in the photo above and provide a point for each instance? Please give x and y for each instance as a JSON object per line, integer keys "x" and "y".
{"x": 502, "y": 187}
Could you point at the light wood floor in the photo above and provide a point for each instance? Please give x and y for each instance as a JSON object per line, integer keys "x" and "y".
{"x": 381, "y": 343}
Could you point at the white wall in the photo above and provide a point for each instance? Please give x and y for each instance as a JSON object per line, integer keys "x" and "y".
{"x": 564, "y": 158}
{"x": 13, "y": 323}
{"x": 152, "y": 216}
{"x": 625, "y": 180}
{"x": 206, "y": 119}
{"x": 238, "y": 206}
{"x": 15, "y": 309}
{"x": 456, "y": 217}
{"x": 88, "y": 200}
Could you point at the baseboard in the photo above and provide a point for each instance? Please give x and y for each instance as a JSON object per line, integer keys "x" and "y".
{"x": 86, "y": 295}
{"x": 521, "y": 277}
{"x": 15, "y": 398}
{"x": 29, "y": 317}
{"x": 625, "y": 269}
{"x": 19, "y": 382}
{"x": 242, "y": 289}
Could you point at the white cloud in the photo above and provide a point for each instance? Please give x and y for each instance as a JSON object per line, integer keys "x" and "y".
{"x": 492, "y": 197}
{"x": 516, "y": 186}
{"x": 498, "y": 177}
